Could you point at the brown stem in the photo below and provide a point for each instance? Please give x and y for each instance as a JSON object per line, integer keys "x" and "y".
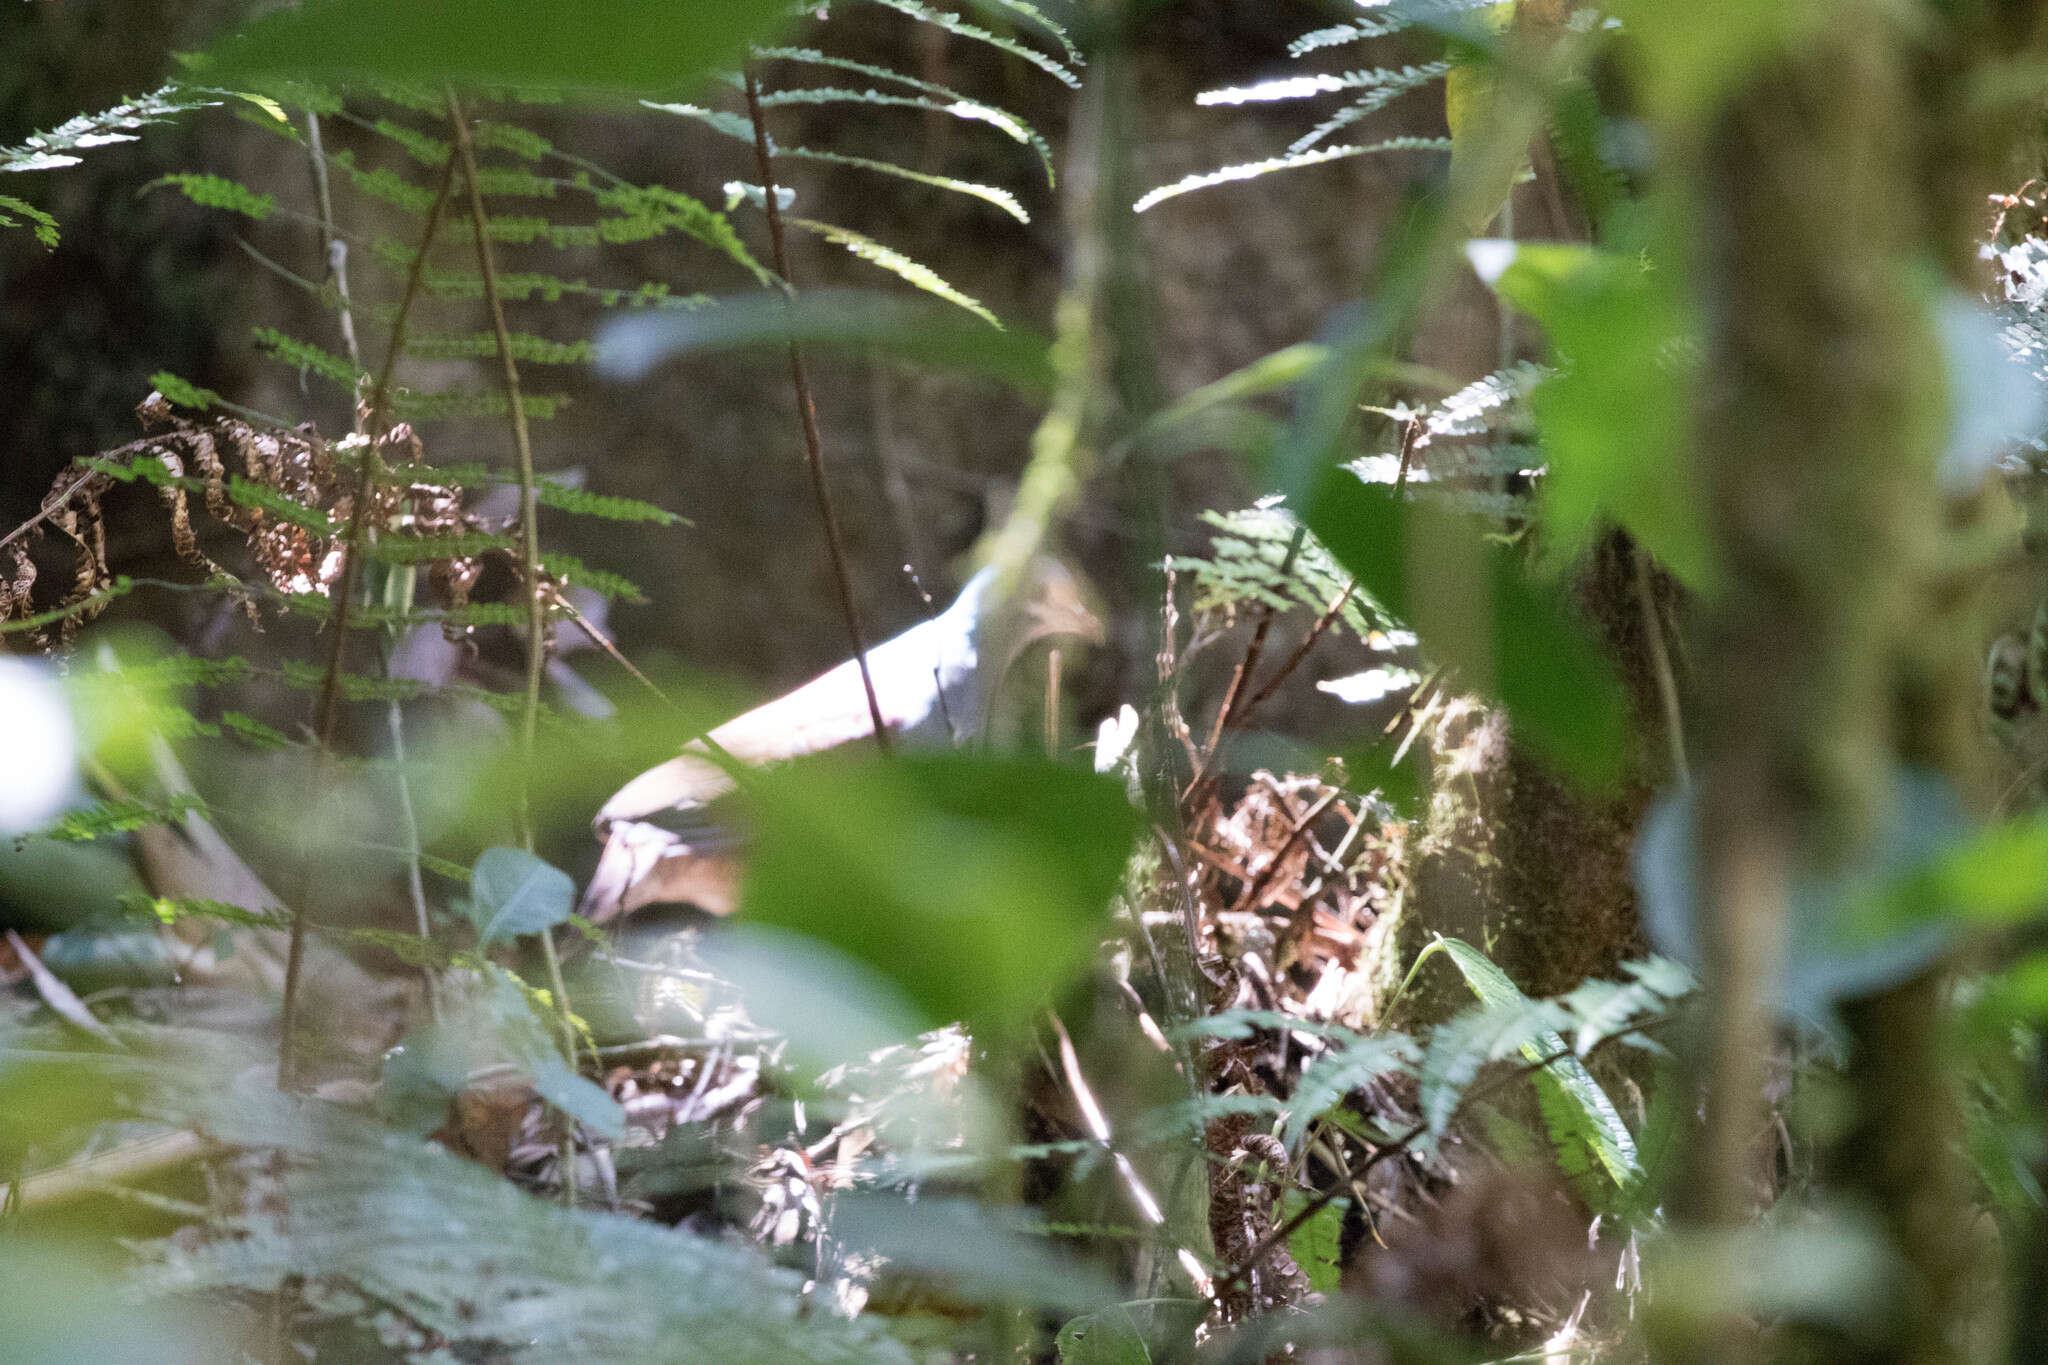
{"x": 344, "y": 602}
{"x": 536, "y": 609}
{"x": 807, "y": 415}
{"x": 1660, "y": 668}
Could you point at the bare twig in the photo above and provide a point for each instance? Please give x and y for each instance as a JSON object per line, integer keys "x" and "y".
{"x": 335, "y": 252}
{"x": 536, "y": 609}
{"x": 1343, "y": 599}
{"x": 1660, "y": 668}
{"x": 344, "y": 602}
{"x": 1234, "y": 699}
{"x": 807, "y": 415}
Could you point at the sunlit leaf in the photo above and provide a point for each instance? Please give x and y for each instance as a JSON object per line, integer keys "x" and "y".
{"x": 1476, "y": 610}
{"x": 1614, "y": 414}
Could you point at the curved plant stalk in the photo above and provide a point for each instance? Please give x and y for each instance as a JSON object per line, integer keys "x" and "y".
{"x": 335, "y": 251}
{"x": 327, "y": 708}
{"x": 807, "y": 415}
{"x": 536, "y": 610}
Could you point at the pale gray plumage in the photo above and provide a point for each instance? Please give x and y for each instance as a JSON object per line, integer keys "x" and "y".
{"x": 934, "y": 683}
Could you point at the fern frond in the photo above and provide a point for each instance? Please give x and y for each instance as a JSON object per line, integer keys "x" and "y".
{"x": 970, "y": 110}
{"x": 954, "y": 24}
{"x": 526, "y": 348}
{"x": 183, "y": 392}
{"x": 1046, "y": 23}
{"x": 1329, "y": 1078}
{"x": 897, "y": 264}
{"x": 574, "y": 571}
{"x": 105, "y": 818}
{"x": 1250, "y": 170}
{"x": 177, "y": 909}
{"x": 262, "y": 498}
{"x": 963, "y": 106}
{"x": 421, "y": 147}
{"x": 1244, "y": 566}
{"x": 217, "y": 192}
{"x": 675, "y": 211}
{"x": 41, "y": 224}
{"x": 384, "y": 184}
{"x": 1303, "y": 87}
{"x": 510, "y": 137}
{"x": 304, "y": 355}
{"x": 429, "y": 1239}
{"x": 606, "y": 507}
{"x": 1374, "y": 101}
{"x": 56, "y": 147}
{"x": 990, "y": 194}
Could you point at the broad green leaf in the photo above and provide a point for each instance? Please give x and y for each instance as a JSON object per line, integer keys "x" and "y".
{"x": 511, "y": 892}
{"x": 978, "y": 885}
{"x": 1468, "y": 102}
{"x": 855, "y": 321}
{"x": 640, "y": 46}
{"x": 1317, "y": 1245}
{"x": 1585, "y": 1129}
{"x": 582, "y": 1100}
{"x": 1614, "y": 414}
{"x": 1109, "y": 1337}
{"x": 1476, "y": 610}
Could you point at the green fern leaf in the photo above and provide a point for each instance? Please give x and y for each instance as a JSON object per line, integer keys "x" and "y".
{"x": 105, "y": 818}
{"x": 954, "y": 24}
{"x": 1250, "y": 170}
{"x": 304, "y": 355}
{"x": 41, "y": 224}
{"x": 962, "y": 106}
{"x": 182, "y": 392}
{"x": 217, "y": 192}
{"x": 896, "y": 263}
{"x": 572, "y": 570}
{"x": 49, "y": 150}
{"x": 262, "y": 498}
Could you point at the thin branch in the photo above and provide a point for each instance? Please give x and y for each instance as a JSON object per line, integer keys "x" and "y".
{"x": 1342, "y": 599}
{"x": 1660, "y": 668}
{"x": 335, "y": 252}
{"x": 52, "y": 506}
{"x": 1234, "y": 699}
{"x": 536, "y": 609}
{"x": 807, "y": 414}
{"x": 344, "y": 602}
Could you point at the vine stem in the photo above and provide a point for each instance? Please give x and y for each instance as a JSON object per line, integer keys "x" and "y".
{"x": 536, "y": 609}
{"x": 344, "y": 603}
{"x": 807, "y": 415}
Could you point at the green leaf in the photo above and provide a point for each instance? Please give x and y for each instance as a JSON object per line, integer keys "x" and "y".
{"x": 1586, "y": 1131}
{"x": 1317, "y": 1245}
{"x": 1613, "y": 416}
{"x": 1109, "y": 1337}
{"x": 40, "y": 223}
{"x": 183, "y": 392}
{"x": 1476, "y": 610}
{"x": 581, "y": 1099}
{"x": 646, "y": 46}
{"x": 897, "y": 264}
{"x": 511, "y": 892}
{"x": 218, "y": 192}
{"x": 855, "y": 321}
{"x": 978, "y": 885}
{"x": 1251, "y": 170}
